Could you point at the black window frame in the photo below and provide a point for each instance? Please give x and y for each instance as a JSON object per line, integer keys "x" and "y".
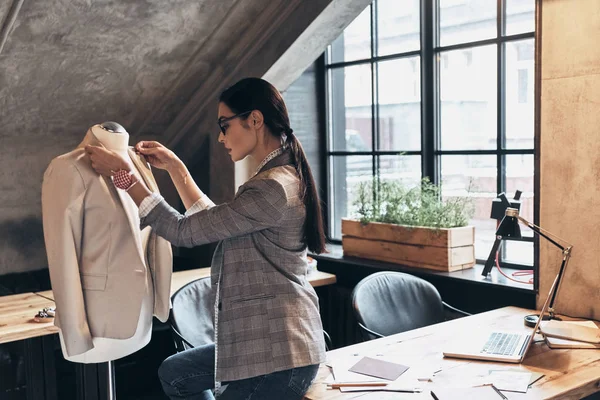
{"x": 430, "y": 122}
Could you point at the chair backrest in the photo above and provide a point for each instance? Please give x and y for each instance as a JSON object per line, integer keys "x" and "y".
{"x": 394, "y": 302}
{"x": 193, "y": 313}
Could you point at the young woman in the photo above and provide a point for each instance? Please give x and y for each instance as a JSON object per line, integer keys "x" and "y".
{"x": 268, "y": 333}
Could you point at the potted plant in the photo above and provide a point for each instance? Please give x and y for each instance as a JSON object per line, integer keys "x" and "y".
{"x": 410, "y": 226}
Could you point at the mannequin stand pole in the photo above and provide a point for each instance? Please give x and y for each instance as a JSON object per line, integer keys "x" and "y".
{"x": 96, "y": 381}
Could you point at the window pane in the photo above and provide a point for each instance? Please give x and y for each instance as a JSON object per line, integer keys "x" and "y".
{"x": 468, "y": 98}
{"x": 464, "y": 21}
{"x": 519, "y": 253}
{"x": 346, "y": 173}
{"x": 520, "y": 78}
{"x": 351, "y": 112}
{"x": 406, "y": 169}
{"x": 400, "y": 104}
{"x": 520, "y": 16}
{"x": 519, "y": 176}
{"x": 475, "y": 177}
{"x": 355, "y": 42}
{"x": 398, "y": 27}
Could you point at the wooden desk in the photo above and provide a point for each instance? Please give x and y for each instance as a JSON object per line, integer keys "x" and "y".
{"x": 46, "y": 294}
{"x": 17, "y": 324}
{"x": 16, "y": 317}
{"x": 569, "y": 374}
{"x": 180, "y": 278}
{"x": 316, "y": 279}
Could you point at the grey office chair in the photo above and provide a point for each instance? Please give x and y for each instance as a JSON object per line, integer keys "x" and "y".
{"x": 192, "y": 315}
{"x": 388, "y": 302}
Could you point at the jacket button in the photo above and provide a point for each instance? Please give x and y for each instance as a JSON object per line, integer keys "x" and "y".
{"x": 220, "y": 306}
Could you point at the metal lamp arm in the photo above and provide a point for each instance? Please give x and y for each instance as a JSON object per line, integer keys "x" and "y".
{"x": 566, "y": 256}
{"x": 546, "y": 235}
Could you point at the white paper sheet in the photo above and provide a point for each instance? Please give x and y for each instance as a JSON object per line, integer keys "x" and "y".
{"x": 511, "y": 381}
{"x": 341, "y": 374}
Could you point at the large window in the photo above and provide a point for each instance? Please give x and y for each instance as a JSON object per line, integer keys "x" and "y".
{"x": 441, "y": 89}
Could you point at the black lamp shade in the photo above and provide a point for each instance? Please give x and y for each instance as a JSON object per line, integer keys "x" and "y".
{"x": 509, "y": 228}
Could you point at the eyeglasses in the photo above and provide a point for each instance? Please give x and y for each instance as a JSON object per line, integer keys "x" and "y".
{"x": 222, "y": 121}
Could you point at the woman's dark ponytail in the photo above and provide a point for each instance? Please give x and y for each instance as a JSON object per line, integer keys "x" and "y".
{"x": 313, "y": 229}
{"x": 257, "y": 94}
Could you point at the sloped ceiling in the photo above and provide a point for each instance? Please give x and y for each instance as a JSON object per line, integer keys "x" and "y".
{"x": 154, "y": 66}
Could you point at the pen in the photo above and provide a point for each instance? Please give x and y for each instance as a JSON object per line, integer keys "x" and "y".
{"x": 499, "y": 393}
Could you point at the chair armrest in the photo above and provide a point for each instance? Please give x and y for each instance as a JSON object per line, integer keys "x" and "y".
{"x": 178, "y": 337}
{"x": 367, "y": 330}
{"x": 328, "y": 343}
{"x": 455, "y": 310}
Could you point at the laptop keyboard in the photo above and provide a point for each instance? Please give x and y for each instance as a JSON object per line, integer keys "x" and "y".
{"x": 503, "y": 344}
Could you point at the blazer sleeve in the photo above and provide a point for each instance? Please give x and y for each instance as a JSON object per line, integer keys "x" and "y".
{"x": 63, "y": 192}
{"x": 259, "y": 204}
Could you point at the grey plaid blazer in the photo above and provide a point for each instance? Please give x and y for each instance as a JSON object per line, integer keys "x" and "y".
{"x": 268, "y": 312}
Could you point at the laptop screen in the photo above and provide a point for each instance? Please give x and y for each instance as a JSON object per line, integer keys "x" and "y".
{"x": 541, "y": 316}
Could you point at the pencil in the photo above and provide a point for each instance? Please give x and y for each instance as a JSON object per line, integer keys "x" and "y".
{"x": 499, "y": 392}
{"x": 358, "y": 384}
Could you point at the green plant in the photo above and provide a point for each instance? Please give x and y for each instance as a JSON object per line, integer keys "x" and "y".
{"x": 394, "y": 203}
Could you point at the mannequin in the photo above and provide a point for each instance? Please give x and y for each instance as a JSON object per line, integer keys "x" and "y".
{"x": 108, "y": 277}
{"x": 114, "y": 137}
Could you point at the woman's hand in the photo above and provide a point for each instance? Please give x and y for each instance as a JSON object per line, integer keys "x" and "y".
{"x": 106, "y": 162}
{"x": 157, "y": 155}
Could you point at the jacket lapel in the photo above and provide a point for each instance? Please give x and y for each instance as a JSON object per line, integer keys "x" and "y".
{"x": 127, "y": 205}
{"x": 160, "y": 256}
{"x": 133, "y": 218}
{"x": 143, "y": 168}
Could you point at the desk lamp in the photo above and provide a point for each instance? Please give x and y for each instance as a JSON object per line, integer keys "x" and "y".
{"x": 509, "y": 230}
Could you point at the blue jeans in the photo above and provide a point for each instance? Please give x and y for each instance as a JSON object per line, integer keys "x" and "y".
{"x": 190, "y": 375}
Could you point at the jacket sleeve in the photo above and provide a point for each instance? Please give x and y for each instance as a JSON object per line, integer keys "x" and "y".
{"x": 63, "y": 192}
{"x": 259, "y": 204}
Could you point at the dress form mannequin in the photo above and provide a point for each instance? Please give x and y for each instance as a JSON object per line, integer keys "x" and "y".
{"x": 115, "y": 138}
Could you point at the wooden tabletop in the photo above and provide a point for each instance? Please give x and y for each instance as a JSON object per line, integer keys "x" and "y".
{"x": 568, "y": 374}
{"x": 16, "y": 317}
{"x": 180, "y": 278}
{"x": 316, "y": 278}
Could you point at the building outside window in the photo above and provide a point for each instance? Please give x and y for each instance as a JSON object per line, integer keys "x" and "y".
{"x": 443, "y": 89}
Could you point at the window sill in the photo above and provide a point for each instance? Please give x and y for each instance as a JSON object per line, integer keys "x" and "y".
{"x": 471, "y": 275}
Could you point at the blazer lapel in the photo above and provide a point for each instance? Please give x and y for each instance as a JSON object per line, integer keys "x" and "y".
{"x": 159, "y": 253}
{"x": 133, "y": 218}
{"x": 143, "y": 168}
{"x": 129, "y": 208}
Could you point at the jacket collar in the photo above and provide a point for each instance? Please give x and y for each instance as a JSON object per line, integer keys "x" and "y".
{"x": 89, "y": 139}
{"x": 285, "y": 158}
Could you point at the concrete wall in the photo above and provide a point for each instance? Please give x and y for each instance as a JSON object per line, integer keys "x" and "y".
{"x": 569, "y": 151}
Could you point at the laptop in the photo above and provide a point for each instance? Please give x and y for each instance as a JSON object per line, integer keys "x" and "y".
{"x": 498, "y": 345}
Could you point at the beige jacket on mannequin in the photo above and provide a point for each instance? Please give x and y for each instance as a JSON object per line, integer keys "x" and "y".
{"x": 95, "y": 257}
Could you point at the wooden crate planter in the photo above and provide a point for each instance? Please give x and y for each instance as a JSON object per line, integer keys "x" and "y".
{"x": 432, "y": 248}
